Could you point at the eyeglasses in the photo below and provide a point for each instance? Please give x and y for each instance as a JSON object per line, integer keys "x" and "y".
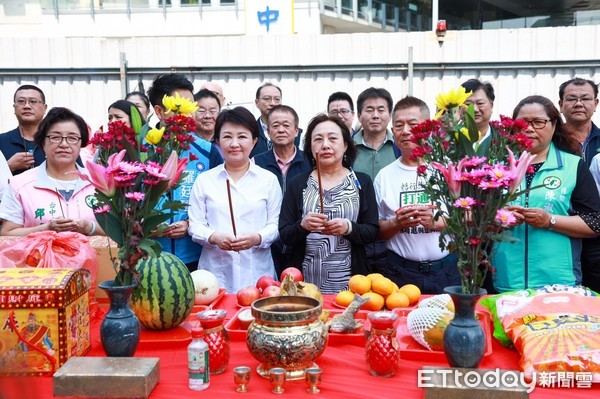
{"x": 574, "y": 100}
{"x": 32, "y": 101}
{"x": 212, "y": 112}
{"x": 55, "y": 139}
{"x": 269, "y": 99}
{"x": 338, "y": 112}
{"x": 537, "y": 123}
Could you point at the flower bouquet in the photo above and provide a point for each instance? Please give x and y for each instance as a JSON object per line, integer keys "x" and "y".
{"x": 131, "y": 183}
{"x": 472, "y": 189}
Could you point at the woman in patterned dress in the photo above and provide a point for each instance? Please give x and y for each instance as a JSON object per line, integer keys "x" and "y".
{"x": 329, "y": 236}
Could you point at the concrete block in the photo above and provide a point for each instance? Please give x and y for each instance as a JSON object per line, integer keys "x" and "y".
{"x": 459, "y": 383}
{"x": 107, "y": 377}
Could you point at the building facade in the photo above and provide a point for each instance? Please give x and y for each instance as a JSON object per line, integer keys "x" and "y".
{"x": 85, "y": 58}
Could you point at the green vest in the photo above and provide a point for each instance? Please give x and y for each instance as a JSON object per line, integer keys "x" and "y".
{"x": 541, "y": 256}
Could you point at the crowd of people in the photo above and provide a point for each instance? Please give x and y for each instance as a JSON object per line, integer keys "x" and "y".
{"x": 339, "y": 202}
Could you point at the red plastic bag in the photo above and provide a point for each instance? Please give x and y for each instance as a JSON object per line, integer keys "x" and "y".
{"x": 49, "y": 249}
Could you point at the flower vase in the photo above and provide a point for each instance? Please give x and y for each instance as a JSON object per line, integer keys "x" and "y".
{"x": 464, "y": 338}
{"x": 120, "y": 329}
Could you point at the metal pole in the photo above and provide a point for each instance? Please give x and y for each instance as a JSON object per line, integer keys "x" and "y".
{"x": 435, "y": 13}
{"x": 411, "y": 72}
{"x": 55, "y": 6}
{"x": 123, "y": 74}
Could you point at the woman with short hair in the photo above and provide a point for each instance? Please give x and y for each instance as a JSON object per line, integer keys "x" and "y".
{"x": 48, "y": 197}
{"x": 329, "y": 239}
{"x": 238, "y": 255}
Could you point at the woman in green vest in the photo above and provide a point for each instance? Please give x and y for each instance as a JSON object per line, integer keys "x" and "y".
{"x": 553, "y": 217}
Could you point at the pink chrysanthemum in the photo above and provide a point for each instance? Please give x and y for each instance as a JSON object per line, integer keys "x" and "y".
{"x": 465, "y": 203}
{"x": 136, "y": 196}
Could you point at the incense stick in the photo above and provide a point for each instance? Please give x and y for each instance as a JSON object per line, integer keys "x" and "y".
{"x": 59, "y": 202}
{"x": 231, "y": 207}
{"x": 320, "y": 185}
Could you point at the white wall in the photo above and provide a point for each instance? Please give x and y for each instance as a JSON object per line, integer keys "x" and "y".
{"x": 309, "y": 66}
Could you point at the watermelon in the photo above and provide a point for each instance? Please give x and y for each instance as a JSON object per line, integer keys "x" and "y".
{"x": 164, "y": 297}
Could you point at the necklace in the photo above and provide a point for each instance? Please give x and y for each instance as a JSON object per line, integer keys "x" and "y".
{"x": 67, "y": 185}
{"x": 26, "y": 143}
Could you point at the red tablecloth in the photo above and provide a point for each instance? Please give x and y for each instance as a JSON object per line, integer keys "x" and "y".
{"x": 344, "y": 374}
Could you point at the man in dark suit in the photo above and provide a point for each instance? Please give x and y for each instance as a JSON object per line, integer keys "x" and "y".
{"x": 267, "y": 96}
{"x": 483, "y": 103}
{"x": 285, "y": 161}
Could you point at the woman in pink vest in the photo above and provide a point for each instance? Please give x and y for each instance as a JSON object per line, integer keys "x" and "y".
{"x": 48, "y": 197}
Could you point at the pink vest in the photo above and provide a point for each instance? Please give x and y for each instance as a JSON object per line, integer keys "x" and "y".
{"x": 41, "y": 202}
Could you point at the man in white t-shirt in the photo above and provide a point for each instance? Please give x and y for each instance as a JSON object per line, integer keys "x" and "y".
{"x": 406, "y": 213}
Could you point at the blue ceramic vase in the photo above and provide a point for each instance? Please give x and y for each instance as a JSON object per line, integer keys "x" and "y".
{"x": 464, "y": 338}
{"x": 120, "y": 329}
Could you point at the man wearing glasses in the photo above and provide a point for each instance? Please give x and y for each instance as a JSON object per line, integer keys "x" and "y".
{"x": 482, "y": 98}
{"x": 267, "y": 96}
{"x": 341, "y": 106}
{"x": 578, "y": 102}
{"x": 209, "y": 107}
{"x": 578, "y": 99}
{"x": 17, "y": 145}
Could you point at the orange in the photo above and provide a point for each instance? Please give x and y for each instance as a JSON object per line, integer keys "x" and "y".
{"x": 359, "y": 284}
{"x": 343, "y": 298}
{"x": 412, "y": 292}
{"x": 396, "y": 300}
{"x": 375, "y": 302}
{"x": 396, "y": 288}
{"x": 382, "y": 285}
{"x": 373, "y": 276}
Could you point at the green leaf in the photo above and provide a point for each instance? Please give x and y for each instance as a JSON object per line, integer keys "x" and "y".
{"x": 132, "y": 152}
{"x": 136, "y": 121}
{"x": 150, "y": 247}
{"x": 111, "y": 226}
{"x": 154, "y": 220}
{"x": 157, "y": 191}
{"x": 464, "y": 143}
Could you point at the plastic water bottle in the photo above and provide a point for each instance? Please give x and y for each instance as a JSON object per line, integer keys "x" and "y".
{"x": 198, "y": 367}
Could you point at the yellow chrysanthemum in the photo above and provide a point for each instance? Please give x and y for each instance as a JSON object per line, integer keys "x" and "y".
{"x": 452, "y": 99}
{"x": 179, "y": 105}
{"x": 154, "y": 136}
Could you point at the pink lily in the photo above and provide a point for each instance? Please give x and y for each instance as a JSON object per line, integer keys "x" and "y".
{"x": 173, "y": 168}
{"x": 451, "y": 174}
{"x": 519, "y": 168}
{"x": 101, "y": 177}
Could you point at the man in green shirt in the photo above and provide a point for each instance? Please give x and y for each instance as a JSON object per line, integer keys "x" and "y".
{"x": 374, "y": 142}
{"x": 375, "y": 145}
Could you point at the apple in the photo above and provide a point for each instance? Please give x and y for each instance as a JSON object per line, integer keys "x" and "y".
{"x": 247, "y": 295}
{"x": 271, "y": 290}
{"x": 296, "y": 274}
{"x": 264, "y": 282}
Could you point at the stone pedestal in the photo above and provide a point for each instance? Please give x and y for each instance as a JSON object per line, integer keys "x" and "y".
{"x": 107, "y": 377}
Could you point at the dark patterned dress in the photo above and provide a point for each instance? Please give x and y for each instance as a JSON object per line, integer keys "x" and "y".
{"x": 327, "y": 260}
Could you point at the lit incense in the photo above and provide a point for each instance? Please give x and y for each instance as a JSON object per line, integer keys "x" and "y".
{"x": 320, "y": 185}
{"x": 231, "y": 207}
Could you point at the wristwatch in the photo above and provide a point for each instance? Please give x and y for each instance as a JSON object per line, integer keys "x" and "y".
{"x": 552, "y": 222}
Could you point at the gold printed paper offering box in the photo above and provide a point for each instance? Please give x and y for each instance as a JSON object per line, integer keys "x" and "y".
{"x": 44, "y": 319}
